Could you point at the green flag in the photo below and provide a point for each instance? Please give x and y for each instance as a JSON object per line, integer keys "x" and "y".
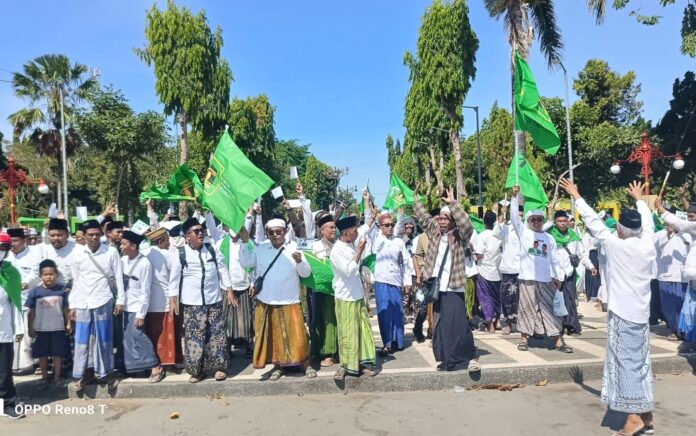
{"x": 659, "y": 224}
{"x": 11, "y": 282}
{"x": 225, "y": 250}
{"x": 477, "y": 223}
{"x": 322, "y": 275}
{"x": 530, "y": 114}
{"x": 232, "y": 184}
{"x": 369, "y": 262}
{"x": 399, "y": 194}
{"x": 183, "y": 185}
{"x": 530, "y": 186}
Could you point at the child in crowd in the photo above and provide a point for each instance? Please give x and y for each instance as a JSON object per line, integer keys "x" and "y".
{"x": 49, "y": 320}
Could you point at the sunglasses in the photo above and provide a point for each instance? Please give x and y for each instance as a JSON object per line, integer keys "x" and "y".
{"x": 387, "y": 225}
{"x": 536, "y": 219}
{"x": 276, "y": 232}
{"x": 196, "y": 231}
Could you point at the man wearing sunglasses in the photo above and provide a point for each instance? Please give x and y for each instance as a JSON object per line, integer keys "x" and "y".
{"x": 540, "y": 276}
{"x": 195, "y": 283}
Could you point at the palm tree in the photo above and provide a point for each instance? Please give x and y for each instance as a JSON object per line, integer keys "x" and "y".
{"x": 527, "y": 19}
{"x": 41, "y": 84}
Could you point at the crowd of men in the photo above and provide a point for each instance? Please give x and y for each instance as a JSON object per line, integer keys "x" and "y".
{"x": 104, "y": 300}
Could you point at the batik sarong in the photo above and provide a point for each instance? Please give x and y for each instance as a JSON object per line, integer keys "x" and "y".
{"x": 488, "y": 293}
{"x": 687, "y": 318}
{"x": 509, "y": 296}
{"x": 138, "y": 352}
{"x": 356, "y": 344}
{"x": 535, "y": 314}
{"x": 205, "y": 341}
{"x": 281, "y": 337}
{"x": 390, "y": 315}
{"x": 323, "y": 341}
{"x": 163, "y": 331}
{"x": 94, "y": 347}
{"x": 672, "y": 301}
{"x": 627, "y": 383}
{"x": 238, "y": 320}
{"x": 453, "y": 342}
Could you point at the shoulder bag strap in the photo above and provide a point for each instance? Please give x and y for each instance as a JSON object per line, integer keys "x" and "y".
{"x": 99, "y": 267}
{"x": 442, "y": 265}
{"x": 274, "y": 261}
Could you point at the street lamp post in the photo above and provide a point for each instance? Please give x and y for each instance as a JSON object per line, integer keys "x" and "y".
{"x": 570, "y": 142}
{"x": 14, "y": 177}
{"x": 645, "y": 153}
{"x": 336, "y": 174}
{"x": 478, "y": 158}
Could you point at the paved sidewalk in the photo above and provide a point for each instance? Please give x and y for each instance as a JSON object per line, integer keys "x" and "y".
{"x": 414, "y": 368}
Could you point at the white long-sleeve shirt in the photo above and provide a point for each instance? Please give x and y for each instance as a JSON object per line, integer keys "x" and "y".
{"x": 510, "y": 259}
{"x": 488, "y": 248}
{"x": 90, "y": 287}
{"x": 281, "y": 286}
{"x": 239, "y": 277}
{"x": 671, "y": 255}
{"x": 347, "y": 285}
{"x": 629, "y": 263}
{"x": 201, "y": 279}
{"x": 161, "y": 262}
{"x": 689, "y": 271}
{"x": 391, "y": 263}
{"x": 576, "y": 248}
{"x": 11, "y": 319}
{"x": 27, "y": 262}
{"x": 62, "y": 257}
{"x": 538, "y": 258}
{"x": 138, "y": 274}
{"x": 680, "y": 224}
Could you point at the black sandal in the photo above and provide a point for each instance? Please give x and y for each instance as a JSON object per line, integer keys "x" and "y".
{"x": 523, "y": 346}
{"x": 565, "y": 349}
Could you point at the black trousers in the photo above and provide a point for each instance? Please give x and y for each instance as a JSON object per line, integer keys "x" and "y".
{"x": 7, "y": 387}
{"x": 421, "y": 315}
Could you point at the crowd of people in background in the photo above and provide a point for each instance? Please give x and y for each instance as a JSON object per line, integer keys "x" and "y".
{"x": 102, "y": 300}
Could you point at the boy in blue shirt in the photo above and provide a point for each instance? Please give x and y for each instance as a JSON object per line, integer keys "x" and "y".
{"x": 49, "y": 320}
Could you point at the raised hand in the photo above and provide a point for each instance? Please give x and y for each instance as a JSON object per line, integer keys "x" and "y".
{"x": 299, "y": 189}
{"x": 60, "y": 215}
{"x": 635, "y": 190}
{"x": 449, "y": 197}
{"x": 570, "y": 187}
{"x": 658, "y": 205}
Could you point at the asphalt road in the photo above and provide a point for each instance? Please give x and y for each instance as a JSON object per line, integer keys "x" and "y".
{"x": 533, "y": 410}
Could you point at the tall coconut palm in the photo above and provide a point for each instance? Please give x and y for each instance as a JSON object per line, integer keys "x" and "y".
{"x": 526, "y": 20}
{"x": 40, "y": 84}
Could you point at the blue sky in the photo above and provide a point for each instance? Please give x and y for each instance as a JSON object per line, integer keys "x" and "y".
{"x": 333, "y": 69}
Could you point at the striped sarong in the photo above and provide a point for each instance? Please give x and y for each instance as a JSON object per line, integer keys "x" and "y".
{"x": 535, "y": 314}
{"x": 163, "y": 331}
{"x": 138, "y": 352}
{"x": 281, "y": 337}
{"x": 205, "y": 342}
{"x": 238, "y": 320}
{"x": 94, "y": 346}
{"x": 356, "y": 344}
{"x": 627, "y": 384}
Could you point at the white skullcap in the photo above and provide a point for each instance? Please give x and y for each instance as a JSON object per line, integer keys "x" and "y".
{"x": 31, "y": 232}
{"x": 384, "y": 212}
{"x": 232, "y": 233}
{"x": 534, "y": 212}
{"x": 446, "y": 210}
{"x": 276, "y": 222}
{"x": 170, "y": 224}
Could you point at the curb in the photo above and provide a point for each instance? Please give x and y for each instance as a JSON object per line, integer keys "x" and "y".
{"x": 295, "y": 384}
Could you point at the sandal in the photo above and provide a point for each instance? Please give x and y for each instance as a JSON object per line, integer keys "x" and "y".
{"x": 196, "y": 378}
{"x": 565, "y": 349}
{"x": 220, "y": 376}
{"x": 310, "y": 373}
{"x": 672, "y": 337}
{"x": 79, "y": 385}
{"x": 474, "y": 366}
{"x": 276, "y": 374}
{"x": 506, "y": 331}
{"x": 369, "y": 372}
{"x": 157, "y": 377}
{"x": 523, "y": 346}
{"x": 384, "y": 352}
{"x": 649, "y": 430}
{"x": 340, "y": 374}
{"x": 328, "y": 362}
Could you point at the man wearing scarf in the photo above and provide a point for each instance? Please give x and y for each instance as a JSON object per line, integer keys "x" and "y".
{"x": 570, "y": 253}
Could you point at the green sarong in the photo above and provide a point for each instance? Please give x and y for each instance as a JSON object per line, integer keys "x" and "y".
{"x": 356, "y": 344}
{"x": 322, "y": 330}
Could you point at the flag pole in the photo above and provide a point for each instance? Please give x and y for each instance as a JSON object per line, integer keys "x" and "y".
{"x": 664, "y": 184}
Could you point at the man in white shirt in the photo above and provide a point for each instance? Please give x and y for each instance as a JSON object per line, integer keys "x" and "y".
{"x": 138, "y": 352}
{"x": 509, "y": 271}
{"x": 161, "y": 326}
{"x": 487, "y": 249}
{"x": 97, "y": 280}
{"x": 26, "y": 260}
{"x": 392, "y": 275}
{"x": 356, "y": 344}
{"x": 672, "y": 248}
{"x": 627, "y": 385}
{"x": 60, "y": 250}
{"x": 281, "y": 337}
{"x": 540, "y": 277}
{"x": 11, "y": 328}
{"x": 195, "y": 282}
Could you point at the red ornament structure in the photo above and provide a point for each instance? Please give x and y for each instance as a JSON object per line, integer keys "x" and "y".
{"x": 645, "y": 154}
{"x": 14, "y": 177}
